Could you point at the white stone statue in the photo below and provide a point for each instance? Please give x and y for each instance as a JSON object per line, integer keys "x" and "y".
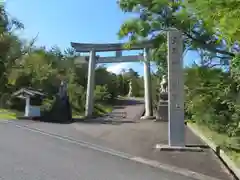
{"x": 63, "y": 89}
{"x": 130, "y": 89}
{"x": 164, "y": 84}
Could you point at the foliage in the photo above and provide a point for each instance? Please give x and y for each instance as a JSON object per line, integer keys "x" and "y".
{"x": 209, "y": 86}
{"x": 154, "y": 17}
{"x": 24, "y": 65}
{"x": 222, "y": 16}
{"x": 101, "y": 93}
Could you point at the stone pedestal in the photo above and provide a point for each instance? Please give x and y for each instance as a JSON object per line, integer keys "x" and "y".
{"x": 162, "y": 109}
{"x": 164, "y": 147}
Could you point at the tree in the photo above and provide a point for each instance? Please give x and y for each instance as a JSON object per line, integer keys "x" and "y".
{"x": 11, "y": 47}
{"x": 154, "y": 17}
{"x": 24, "y": 65}
{"x": 221, "y": 16}
{"x": 131, "y": 73}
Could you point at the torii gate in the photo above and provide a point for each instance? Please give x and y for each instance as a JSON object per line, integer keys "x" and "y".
{"x": 176, "y": 127}
{"x": 118, "y": 48}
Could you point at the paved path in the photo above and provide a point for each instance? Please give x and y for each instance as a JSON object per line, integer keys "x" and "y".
{"x": 26, "y": 155}
{"x": 132, "y": 109}
{"x": 137, "y": 138}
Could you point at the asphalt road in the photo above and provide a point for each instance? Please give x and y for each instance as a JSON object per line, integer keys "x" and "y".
{"x": 27, "y": 155}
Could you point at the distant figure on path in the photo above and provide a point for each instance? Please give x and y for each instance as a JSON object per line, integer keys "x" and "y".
{"x": 130, "y": 89}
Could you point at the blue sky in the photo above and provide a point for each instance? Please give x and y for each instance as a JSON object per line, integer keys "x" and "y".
{"x": 59, "y": 22}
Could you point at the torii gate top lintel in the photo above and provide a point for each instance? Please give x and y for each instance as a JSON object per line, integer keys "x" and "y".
{"x": 87, "y": 47}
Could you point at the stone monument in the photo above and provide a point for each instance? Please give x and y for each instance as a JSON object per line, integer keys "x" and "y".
{"x": 176, "y": 126}
{"x": 162, "y": 106}
{"x": 62, "y": 92}
{"x": 164, "y": 84}
{"x": 61, "y": 111}
{"x": 65, "y": 110}
{"x": 130, "y": 89}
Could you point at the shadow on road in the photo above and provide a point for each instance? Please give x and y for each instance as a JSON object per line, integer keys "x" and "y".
{"x": 127, "y": 102}
{"x": 202, "y": 146}
{"x": 103, "y": 121}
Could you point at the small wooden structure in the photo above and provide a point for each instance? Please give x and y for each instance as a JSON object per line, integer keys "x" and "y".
{"x": 33, "y": 99}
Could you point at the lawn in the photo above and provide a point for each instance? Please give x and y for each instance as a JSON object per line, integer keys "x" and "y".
{"x": 7, "y": 114}
{"x": 221, "y": 140}
{"x": 100, "y": 109}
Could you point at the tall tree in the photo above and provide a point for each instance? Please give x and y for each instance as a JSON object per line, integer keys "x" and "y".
{"x": 11, "y": 47}
{"x": 220, "y": 15}
{"x": 154, "y": 17}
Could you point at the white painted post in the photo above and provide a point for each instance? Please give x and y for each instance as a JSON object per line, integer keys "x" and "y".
{"x": 27, "y": 106}
{"x": 147, "y": 86}
{"x": 90, "y": 85}
{"x": 176, "y": 127}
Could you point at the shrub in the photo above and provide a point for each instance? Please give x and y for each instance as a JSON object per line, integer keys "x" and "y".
{"x": 101, "y": 93}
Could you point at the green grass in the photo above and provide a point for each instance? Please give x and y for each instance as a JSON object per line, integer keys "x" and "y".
{"x": 78, "y": 116}
{"x": 220, "y": 140}
{"x": 7, "y": 114}
{"x": 100, "y": 109}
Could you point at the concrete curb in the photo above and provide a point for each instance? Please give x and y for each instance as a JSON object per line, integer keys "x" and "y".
{"x": 219, "y": 152}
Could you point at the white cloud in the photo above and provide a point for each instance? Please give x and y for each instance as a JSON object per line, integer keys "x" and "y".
{"x": 138, "y": 67}
{"x": 117, "y": 68}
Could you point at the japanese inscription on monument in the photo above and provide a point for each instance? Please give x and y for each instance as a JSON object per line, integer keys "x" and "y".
{"x": 175, "y": 94}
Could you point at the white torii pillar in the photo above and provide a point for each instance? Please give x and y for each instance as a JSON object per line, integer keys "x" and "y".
{"x": 91, "y": 84}
{"x": 147, "y": 86}
{"x": 91, "y": 79}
